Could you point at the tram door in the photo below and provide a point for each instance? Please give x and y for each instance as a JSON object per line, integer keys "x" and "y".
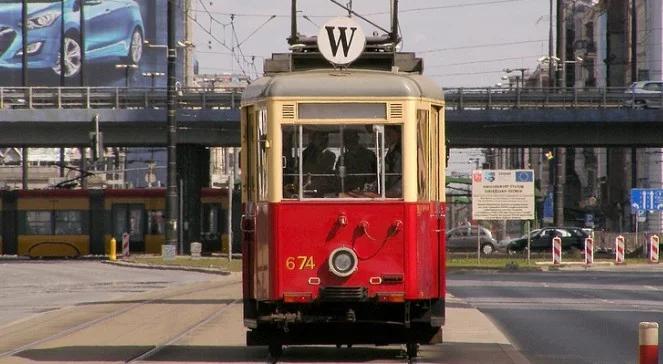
{"x": 129, "y": 218}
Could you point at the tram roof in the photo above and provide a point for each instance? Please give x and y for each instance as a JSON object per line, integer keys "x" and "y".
{"x": 346, "y": 83}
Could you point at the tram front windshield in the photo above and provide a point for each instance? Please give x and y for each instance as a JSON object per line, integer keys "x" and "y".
{"x": 342, "y": 161}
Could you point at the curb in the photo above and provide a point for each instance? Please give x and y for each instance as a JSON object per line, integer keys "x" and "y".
{"x": 167, "y": 267}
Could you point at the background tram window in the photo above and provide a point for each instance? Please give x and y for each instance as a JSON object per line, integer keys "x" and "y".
{"x": 37, "y": 223}
{"x": 69, "y": 222}
{"x": 155, "y": 222}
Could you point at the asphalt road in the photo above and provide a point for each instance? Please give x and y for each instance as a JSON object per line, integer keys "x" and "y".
{"x": 567, "y": 316}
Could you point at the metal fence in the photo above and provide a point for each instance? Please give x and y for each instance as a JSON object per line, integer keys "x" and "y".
{"x": 528, "y": 98}
{"x": 113, "y": 98}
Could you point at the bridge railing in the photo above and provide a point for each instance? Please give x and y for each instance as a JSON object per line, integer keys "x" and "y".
{"x": 113, "y": 98}
{"x": 534, "y": 98}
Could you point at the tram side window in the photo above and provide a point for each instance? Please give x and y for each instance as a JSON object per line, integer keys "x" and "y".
{"x": 341, "y": 161}
{"x": 423, "y": 155}
{"x": 37, "y": 223}
{"x": 69, "y": 222}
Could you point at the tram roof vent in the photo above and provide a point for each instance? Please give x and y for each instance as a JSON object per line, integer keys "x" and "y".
{"x": 395, "y": 111}
{"x": 288, "y": 111}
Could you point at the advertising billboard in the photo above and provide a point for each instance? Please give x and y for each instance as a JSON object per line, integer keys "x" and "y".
{"x": 113, "y": 43}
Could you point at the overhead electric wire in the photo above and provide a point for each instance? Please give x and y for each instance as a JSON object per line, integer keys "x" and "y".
{"x": 223, "y": 44}
{"x": 488, "y": 45}
{"x": 401, "y": 11}
{"x": 481, "y": 61}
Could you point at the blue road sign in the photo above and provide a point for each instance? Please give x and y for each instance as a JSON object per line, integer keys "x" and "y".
{"x": 649, "y": 199}
{"x": 548, "y": 206}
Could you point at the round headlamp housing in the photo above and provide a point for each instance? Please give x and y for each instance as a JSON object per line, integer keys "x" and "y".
{"x": 343, "y": 262}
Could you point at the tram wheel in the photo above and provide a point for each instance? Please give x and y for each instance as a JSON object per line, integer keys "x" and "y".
{"x": 411, "y": 350}
{"x": 275, "y": 350}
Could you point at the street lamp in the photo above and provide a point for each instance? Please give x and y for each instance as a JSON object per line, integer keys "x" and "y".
{"x": 577, "y": 62}
{"x": 522, "y": 75}
{"x": 153, "y": 75}
{"x": 127, "y": 68}
{"x": 552, "y": 63}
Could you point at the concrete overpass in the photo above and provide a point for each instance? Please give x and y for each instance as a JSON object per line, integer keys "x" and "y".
{"x": 62, "y": 118}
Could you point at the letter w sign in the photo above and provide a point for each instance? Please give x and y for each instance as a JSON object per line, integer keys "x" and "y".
{"x": 341, "y": 41}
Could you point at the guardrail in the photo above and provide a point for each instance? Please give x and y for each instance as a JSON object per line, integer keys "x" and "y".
{"x": 113, "y": 98}
{"x": 535, "y": 98}
{"x": 198, "y": 98}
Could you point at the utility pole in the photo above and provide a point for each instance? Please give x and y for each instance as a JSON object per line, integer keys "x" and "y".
{"x": 561, "y": 43}
{"x": 560, "y": 179}
{"x": 171, "y": 190}
{"x": 560, "y": 154}
{"x": 83, "y": 36}
{"x": 551, "y": 73}
{"x": 24, "y": 41}
{"x": 634, "y": 43}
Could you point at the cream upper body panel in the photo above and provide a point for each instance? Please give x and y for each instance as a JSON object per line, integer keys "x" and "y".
{"x": 348, "y": 83}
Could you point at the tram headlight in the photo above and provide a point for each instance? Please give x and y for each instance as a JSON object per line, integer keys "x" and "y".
{"x": 342, "y": 262}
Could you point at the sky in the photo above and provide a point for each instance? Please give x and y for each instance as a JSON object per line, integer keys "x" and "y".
{"x": 464, "y": 43}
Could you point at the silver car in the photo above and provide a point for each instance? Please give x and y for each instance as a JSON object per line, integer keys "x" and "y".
{"x": 643, "y": 94}
{"x": 464, "y": 238}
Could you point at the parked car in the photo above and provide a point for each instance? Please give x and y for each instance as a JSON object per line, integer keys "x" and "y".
{"x": 113, "y": 31}
{"x": 541, "y": 239}
{"x": 644, "y": 94}
{"x": 464, "y": 238}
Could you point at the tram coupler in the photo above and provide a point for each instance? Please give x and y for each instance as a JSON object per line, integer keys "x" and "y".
{"x": 351, "y": 316}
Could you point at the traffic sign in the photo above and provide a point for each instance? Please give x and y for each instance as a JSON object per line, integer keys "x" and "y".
{"x": 650, "y": 199}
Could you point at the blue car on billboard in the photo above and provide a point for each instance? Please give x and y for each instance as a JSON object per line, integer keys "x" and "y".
{"x": 113, "y": 30}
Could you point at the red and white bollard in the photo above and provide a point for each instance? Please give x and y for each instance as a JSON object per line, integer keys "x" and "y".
{"x": 589, "y": 251}
{"x": 125, "y": 245}
{"x": 648, "y": 340}
{"x": 653, "y": 249}
{"x": 557, "y": 250}
{"x": 619, "y": 250}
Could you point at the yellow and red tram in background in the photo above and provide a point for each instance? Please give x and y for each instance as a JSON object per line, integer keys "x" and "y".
{"x": 343, "y": 209}
{"x": 73, "y": 223}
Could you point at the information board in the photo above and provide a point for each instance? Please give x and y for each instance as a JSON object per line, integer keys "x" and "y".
{"x": 503, "y": 194}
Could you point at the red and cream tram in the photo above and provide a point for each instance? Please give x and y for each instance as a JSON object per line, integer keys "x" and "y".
{"x": 343, "y": 203}
{"x": 343, "y": 198}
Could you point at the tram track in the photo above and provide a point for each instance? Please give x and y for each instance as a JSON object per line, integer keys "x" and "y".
{"x": 183, "y": 333}
{"x": 124, "y": 310}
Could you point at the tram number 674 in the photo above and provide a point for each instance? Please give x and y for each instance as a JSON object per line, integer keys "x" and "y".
{"x": 300, "y": 262}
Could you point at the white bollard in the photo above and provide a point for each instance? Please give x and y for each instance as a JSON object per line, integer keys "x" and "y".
{"x": 125, "y": 245}
{"x": 196, "y": 249}
{"x": 557, "y": 250}
{"x": 619, "y": 250}
{"x": 589, "y": 251}
{"x": 653, "y": 248}
{"x": 648, "y": 340}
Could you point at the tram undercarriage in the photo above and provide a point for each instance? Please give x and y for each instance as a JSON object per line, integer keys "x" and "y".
{"x": 342, "y": 323}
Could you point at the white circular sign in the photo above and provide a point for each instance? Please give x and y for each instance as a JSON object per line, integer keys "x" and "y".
{"x": 341, "y": 41}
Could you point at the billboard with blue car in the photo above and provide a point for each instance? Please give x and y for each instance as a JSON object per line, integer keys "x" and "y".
{"x": 112, "y": 43}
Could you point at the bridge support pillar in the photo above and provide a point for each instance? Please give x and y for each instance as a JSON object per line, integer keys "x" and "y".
{"x": 193, "y": 174}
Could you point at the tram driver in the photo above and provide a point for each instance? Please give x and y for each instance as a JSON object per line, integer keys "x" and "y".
{"x": 318, "y": 165}
{"x": 359, "y": 163}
